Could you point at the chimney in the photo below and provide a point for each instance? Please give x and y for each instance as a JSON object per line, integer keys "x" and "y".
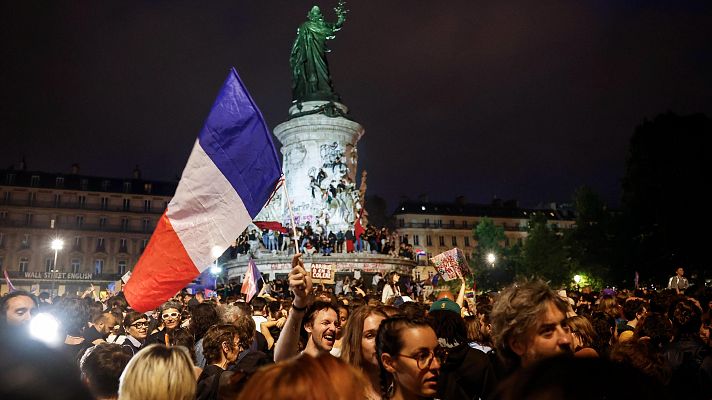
{"x": 136, "y": 173}
{"x": 75, "y": 169}
{"x": 423, "y": 198}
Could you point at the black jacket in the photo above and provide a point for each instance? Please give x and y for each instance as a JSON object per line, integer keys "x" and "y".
{"x": 691, "y": 363}
{"x": 466, "y": 374}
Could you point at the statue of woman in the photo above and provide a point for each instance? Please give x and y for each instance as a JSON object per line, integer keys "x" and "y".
{"x": 311, "y": 79}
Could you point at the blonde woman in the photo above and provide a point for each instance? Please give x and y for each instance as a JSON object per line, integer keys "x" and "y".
{"x": 158, "y": 372}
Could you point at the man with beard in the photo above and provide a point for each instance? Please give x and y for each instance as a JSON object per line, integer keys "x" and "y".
{"x": 101, "y": 326}
{"x": 527, "y": 325}
{"x": 317, "y": 322}
{"x": 16, "y": 309}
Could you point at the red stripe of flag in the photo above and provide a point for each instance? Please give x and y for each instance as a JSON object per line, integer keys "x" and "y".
{"x": 175, "y": 271}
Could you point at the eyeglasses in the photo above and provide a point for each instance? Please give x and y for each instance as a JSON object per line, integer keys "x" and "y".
{"x": 424, "y": 359}
{"x": 140, "y": 324}
{"x": 170, "y": 315}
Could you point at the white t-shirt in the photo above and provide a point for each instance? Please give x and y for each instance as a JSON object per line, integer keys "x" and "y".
{"x": 258, "y": 321}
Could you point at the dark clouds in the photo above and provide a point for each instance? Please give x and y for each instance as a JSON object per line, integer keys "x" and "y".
{"x": 522, "y": 100}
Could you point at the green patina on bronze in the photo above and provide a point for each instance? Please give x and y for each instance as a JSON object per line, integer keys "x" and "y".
{"x": 311, "y": 80}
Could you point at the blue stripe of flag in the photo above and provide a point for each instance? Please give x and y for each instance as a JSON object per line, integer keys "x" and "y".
{"x": 235, "y": 136}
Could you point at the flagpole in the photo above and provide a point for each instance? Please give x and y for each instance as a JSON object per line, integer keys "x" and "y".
{"x": 291, "y": 214}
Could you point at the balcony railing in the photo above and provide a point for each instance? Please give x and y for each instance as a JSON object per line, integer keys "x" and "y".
{"x": 73, "y": 227}
{"x": 76, "y": 206}
{"x": 422, "y": 225}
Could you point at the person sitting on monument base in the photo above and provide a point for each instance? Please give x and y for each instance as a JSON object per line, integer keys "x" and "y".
{"x": 318, "y": 320}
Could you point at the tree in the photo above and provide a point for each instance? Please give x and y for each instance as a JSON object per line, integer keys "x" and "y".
{"x": 665, "y": 183}
{"x": 591, "y": 243}
{"x": 544, "y": 254}
{"x": 490, "y": 238}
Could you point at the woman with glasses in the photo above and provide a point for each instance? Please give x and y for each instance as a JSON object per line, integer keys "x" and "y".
{"x": 409, "y": 357}
{"x": 170, "y": 315}
{"x": 136, "y": 328}
{"x": 358, "y": 346}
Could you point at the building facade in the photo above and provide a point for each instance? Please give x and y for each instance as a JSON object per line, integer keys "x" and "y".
{"x": 103, "y": 223}
{"x": 436, "y": 227}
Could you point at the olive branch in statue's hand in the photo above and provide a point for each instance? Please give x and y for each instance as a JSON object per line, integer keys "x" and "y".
{"x": 340, "y": 9}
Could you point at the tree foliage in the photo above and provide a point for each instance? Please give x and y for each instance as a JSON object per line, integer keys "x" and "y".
{"x": 591, "y": 243}
{"x": 544, "y": 254}
{"x": 665, "y": 182}
{"x": 490, "y": 239}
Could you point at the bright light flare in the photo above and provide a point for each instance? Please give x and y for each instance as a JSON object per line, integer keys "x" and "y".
{"x": 216, "y": 251}
{"x": 57, "y": 244}
{"x": 215, "y": 270}
{"x": 577, "y": 278}
{"x": 491, "y": 258}
{"x": 45, "y": 328}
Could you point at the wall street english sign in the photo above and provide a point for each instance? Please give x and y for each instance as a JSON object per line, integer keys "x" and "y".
{"x": 70, "y": 276}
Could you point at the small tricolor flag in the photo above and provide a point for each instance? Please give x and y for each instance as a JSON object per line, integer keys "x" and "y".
{"x": 10, "y": 286}
{"x": 251, "y": 284}
{"x": 230, "y": 174}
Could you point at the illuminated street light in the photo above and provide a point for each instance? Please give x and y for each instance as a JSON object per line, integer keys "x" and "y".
{"x": 56, "y": 245}
{"x": 491, "y": 258}
{"x": 577, "y": 279}
{"x": 216, "y": 252}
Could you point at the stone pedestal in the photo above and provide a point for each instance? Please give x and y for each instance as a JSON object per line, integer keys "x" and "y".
{"x": 278, "y": 266}
{"x": 319, "y": 162}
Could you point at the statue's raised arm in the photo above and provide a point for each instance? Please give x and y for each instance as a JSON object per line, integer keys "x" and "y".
{"x": 311, "y": 80}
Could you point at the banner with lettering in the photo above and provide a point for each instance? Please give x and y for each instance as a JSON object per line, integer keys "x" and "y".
{"x": 451, "y": 264}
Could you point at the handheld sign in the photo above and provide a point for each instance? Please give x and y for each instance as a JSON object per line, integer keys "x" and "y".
{"x": 451, "y": 264}
{"x": 324, "y": 273}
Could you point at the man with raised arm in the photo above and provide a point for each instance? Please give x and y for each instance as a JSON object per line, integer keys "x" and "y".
{"x": 318, "y": 319}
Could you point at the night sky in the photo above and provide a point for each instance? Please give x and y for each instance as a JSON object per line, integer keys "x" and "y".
{"x": 520, "y": 100}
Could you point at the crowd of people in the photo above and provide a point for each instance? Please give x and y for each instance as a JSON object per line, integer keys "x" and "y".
{"x": 308, "y": 342}
{"x": 317, "y": 241}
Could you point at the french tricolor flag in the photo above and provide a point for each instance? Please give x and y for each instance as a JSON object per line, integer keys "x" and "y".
{"x": 231, "y": 173}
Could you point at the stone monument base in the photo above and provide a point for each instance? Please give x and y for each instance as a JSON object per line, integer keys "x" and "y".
{"x": 351, "y": 264}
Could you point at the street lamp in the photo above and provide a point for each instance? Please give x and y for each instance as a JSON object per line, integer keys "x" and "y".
{"x": 56, "y": 245}
{"x": 216, "y": 252}
{"x": 577, "y": 279}
{"x": 491, "y": 258}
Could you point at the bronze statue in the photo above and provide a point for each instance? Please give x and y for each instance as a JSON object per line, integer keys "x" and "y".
{"x": 311, "y": 79}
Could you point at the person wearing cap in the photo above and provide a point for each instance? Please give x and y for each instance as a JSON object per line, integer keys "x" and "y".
{"x": 466, "y": 373}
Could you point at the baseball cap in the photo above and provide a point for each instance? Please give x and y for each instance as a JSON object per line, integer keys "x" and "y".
{"x": 445, "y": 304}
